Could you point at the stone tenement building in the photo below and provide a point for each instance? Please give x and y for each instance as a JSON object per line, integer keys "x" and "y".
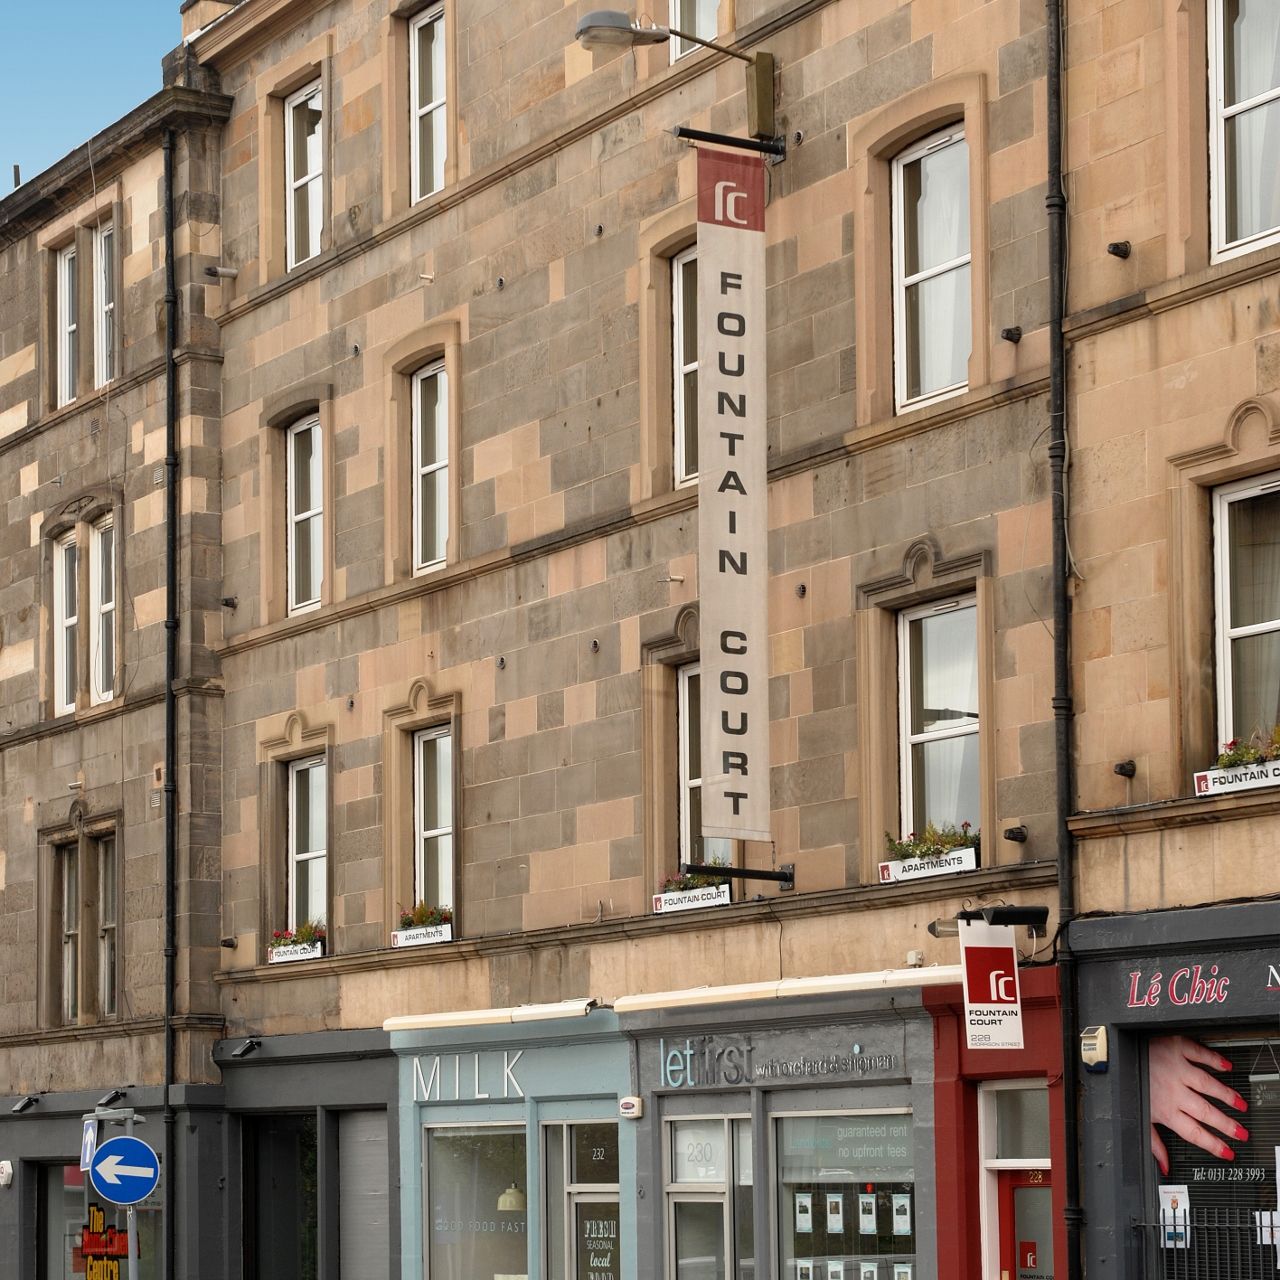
{"x": 436, "y": 357}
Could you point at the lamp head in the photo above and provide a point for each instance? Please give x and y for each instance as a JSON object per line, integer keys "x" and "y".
{"x": 608, "y": 28}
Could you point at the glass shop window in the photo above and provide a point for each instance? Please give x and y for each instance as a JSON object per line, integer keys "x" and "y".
{"x": 846, "y": 1197}
{"x": 476, "y": 1202}
{"x": 79, "y": 1229}
{"x": 583, "y": 1218}
{"x": 1215, "y": 1212}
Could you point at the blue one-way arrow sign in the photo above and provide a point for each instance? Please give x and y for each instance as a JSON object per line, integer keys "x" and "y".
{"x": 124, "y": 1170}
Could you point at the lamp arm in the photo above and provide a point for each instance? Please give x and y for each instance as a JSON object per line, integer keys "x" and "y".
{"x": 711, "y": 44}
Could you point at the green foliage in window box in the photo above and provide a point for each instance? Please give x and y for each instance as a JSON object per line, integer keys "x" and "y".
{"x": 303, "y": 936}
{"x": 700, "y": 880}
{"x": 422, "y": 916}
{"x": 933, "y": 842}
{"x": 1252, "y": 750}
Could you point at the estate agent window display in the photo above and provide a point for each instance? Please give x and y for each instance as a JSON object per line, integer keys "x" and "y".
{"x": 843, "y": 1185}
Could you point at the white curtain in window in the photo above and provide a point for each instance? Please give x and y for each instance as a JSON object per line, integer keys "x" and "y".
{"x": 1255, "y": 601}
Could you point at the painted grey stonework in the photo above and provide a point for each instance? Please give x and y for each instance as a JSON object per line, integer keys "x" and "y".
{"x": 1242, "y": 943}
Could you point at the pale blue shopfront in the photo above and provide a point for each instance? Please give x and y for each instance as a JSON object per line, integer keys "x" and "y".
{"x": 513, "y": 1160}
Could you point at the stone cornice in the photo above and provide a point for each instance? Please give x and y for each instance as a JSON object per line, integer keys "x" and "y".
{"x": 798, "y": 908}
{"x": 1166, "y": 815}
{"x": 107, "y": 153}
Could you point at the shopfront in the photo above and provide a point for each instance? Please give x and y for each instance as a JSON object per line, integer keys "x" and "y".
{"x": 789, "y": 1136}
{"x": 514, "y": 1162}
{"x": 311, "y": 1151}
{"x": 54, "y": 1226}
{"x": 1181, "y": 1132}
{"x": 1000, "y": 1144}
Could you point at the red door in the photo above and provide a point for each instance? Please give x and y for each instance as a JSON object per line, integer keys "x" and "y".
{"x": 1026, "y": 1224}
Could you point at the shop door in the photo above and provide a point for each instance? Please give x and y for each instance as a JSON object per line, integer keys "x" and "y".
{"x": 1026, "y": 1225}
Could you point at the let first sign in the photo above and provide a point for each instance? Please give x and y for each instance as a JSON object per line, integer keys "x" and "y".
{"x": 124, "y": 1170}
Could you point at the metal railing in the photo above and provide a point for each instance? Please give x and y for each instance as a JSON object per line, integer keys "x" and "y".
{"x": 1216, "y": 1243}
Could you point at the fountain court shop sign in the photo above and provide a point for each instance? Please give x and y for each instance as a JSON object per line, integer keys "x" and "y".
{"x": 733, "y": 498}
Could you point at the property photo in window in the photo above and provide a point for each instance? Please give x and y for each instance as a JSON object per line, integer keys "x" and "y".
{"x": 1244, "y": 56}
{"x": 429, "y": 142}
{"x": 938, "y": 714}
{"x": 1247, "y": 584}
{"x": 932, "y": 322}
{"x": 304, "y": 173}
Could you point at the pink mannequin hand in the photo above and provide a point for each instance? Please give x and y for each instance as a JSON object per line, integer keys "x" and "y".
{"x": 1180, "y": 1091}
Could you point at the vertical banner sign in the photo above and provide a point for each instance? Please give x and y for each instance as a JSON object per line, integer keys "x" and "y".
{"x": 992, "y": 999}
{"x": 733, "y": 497}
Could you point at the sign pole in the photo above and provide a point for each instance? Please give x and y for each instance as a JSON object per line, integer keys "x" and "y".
{"x": 132, "y": 1219}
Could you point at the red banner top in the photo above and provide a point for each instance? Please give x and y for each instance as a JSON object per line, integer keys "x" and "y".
{"x": 731, "y": 189}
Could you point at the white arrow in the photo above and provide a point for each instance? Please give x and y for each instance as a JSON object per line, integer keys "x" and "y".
{"x": 111, "y": 1170}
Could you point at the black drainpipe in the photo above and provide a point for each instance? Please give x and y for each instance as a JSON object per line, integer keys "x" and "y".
{"x": 1056, "y": 204}
{"x": 170, "y": 711}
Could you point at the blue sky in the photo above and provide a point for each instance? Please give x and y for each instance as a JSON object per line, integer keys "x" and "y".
{"x": 68, "y": 68}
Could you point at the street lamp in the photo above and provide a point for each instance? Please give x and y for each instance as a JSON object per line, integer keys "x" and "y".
{"x": 611, "y": 29}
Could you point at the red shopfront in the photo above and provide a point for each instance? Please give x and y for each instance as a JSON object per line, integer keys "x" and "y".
{"x": 999, "y": 1141}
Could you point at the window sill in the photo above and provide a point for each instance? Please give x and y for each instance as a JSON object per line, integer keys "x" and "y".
{"x": 1220, "y": 275}
{"x": 1165, "y": 815}
{"x": 1021, "y": 876}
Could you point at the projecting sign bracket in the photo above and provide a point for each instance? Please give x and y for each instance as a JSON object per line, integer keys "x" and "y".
{"x": 775, "y": 147}
{"x": 784, "y": 876}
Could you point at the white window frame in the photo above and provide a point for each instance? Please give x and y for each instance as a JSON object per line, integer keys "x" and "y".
{"x": 902, "y": 282}
{"x": 423, "y": 833}
{"x": 435, "y": 370}
{"x": 296, "y": 519}
{"x": 102, "y": 612}
{"x": 296, "y": 769}
{"x": 721, "y": 1193}
{"x": 65, "y": 626}
{"x": 108, "y": 872}
{"x": 907, "y": 739}
{"x": 681, "y": 368}
{"x": 685, "y": 709}
{"x": 294, "y": 182}
{"x": 990, "y": 1166}
{"x": 67, "y": 326}
{"x": 1222, "y": 248}
{"x": 1224, "y": 633}
{"x": 681, "y": 48}
{"x": 416, "y": 113}
{"x": 68, "y": 856}
{"x": 104, "y": 304}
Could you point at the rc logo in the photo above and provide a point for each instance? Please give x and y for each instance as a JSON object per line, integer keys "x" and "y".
{"x": 989, "y": 976}
{"x": 1026, "y": 1255}
{"x": 728, "y": 197}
